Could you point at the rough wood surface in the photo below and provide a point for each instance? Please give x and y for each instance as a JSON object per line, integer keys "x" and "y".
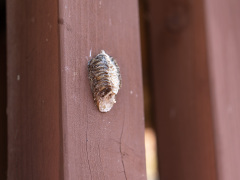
{"x": 181, "y": 90}
{"x": 33, "y": 90}
{"x": 101, "y": 145}
{"x": 223, "y": 32}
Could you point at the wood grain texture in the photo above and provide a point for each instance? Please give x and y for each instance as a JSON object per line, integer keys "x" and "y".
{"x": 101, "y": 145}
{"x": 223, "y": 32}
{"x": 181, "y": 90}
{"x": 33, "y": 90}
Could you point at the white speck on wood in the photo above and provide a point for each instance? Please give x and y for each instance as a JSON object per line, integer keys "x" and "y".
{"x": 66, "y": 68}
{"x": 131, "y": 92}
{"x": 75, "y": 73}
{"x": 18, "y": 77}
{"x": 90, "y": 53}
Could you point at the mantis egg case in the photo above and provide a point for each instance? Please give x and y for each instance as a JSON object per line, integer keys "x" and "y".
{"x": 105, "y": 80}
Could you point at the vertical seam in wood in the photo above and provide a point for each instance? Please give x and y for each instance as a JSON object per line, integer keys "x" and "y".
{"x": 87, "y": 150}
{"x": 210, "y": 89}
{"x": 122, "y": 154}
{"x": 61, "y": 170}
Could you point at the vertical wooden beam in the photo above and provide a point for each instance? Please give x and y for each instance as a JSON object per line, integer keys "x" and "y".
{"x": 223, "y": 32}
{"x": 101, "y": 145}
{"x": 183, "y": 113}
{"x": 33, "y": 90}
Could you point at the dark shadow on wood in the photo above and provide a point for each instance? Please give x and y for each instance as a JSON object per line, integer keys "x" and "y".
{"x": 3, "y": 93}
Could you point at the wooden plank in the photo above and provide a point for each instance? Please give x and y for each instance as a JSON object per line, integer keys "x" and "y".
{"x": 33, "y": 90}
{"x": 223, "y": 32}
{"x": 101, "y": 145}
{"x": 183, "y": 113}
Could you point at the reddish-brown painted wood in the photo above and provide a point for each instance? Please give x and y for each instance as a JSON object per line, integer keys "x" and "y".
{"x": 223, "y": 42}
{"x": 181, "y": 90}
{"x": 95, "y": 145}
{"x": 33, "y": 90}
{"x": 101, "y": 145}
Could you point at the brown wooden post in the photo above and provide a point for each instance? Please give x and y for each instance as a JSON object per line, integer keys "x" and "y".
{"x": 101, "y": 145}
{"x": 196, "y": 88}
{"x": 33, "y": 90}
{"x": 183, "y": 112}
{"x": 223, "y": 42}
{"x": 55, "y": 130}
